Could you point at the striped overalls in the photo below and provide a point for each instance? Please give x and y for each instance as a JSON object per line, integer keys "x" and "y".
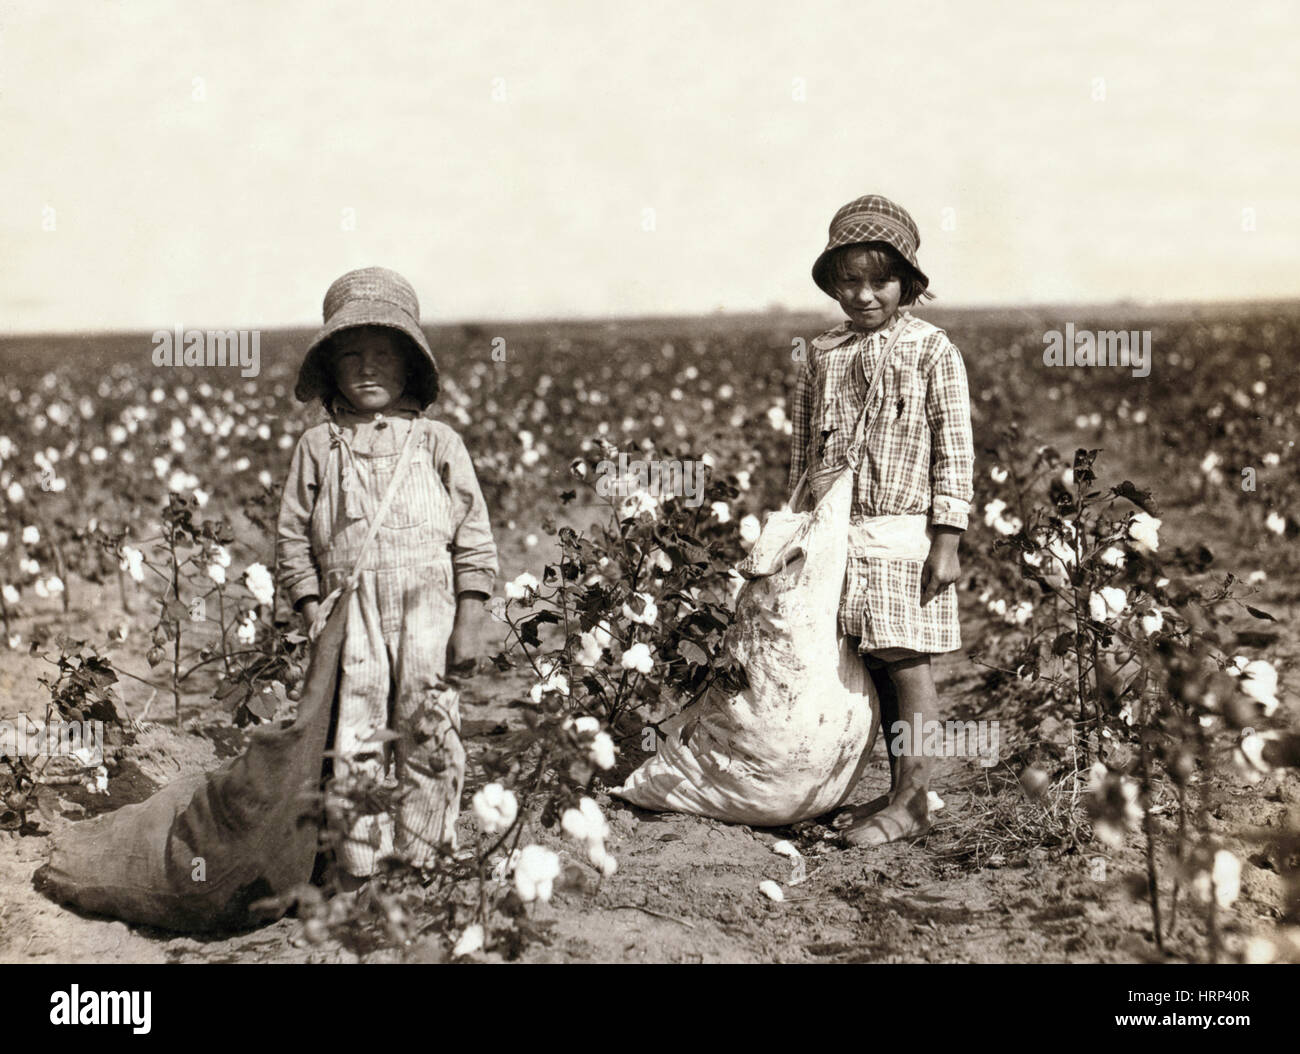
{"x": 399, "y": 620}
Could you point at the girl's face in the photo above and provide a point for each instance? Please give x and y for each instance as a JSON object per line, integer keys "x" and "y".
{"x": 866, "y": 291}
{"x": 370, "y": 367}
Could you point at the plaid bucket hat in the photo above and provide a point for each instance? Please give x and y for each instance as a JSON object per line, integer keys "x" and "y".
{"x": 870, "y": 219}
{"x": 371, "y": 296}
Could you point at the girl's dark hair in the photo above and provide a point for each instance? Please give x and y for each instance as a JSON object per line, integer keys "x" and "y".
{"x": 885, "y": 262}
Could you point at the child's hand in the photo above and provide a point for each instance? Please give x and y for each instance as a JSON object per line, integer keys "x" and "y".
{"x": 462, "y": 645}
{"x": 942, "y": 568}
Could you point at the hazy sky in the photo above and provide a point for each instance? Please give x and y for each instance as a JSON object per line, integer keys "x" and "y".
{"x": 196, "y": 160}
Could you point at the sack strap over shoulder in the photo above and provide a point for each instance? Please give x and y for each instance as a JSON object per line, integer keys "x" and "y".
{"x": 403, "y": 460}
{"x": 853, "y": 457}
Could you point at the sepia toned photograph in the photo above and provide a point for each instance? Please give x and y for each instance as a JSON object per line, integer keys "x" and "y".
{"x": 716, "y": 482}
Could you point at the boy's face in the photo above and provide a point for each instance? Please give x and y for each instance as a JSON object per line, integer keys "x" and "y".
{"x": 868, "y": 294}
{"x": 370, "y": 367}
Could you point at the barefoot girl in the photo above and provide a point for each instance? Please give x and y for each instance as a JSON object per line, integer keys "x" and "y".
{"x": 913, "y": 490}
{"x": 424, "y": 571}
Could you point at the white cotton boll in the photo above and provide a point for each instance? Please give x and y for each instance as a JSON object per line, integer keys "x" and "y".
{"x": 998, "y": 474}
{"x": 574, "y": 824}
{"x": 639, "y": 504}
{"x": 638, "y": 658}
{"x": 1252, "y": 749}
{"x": 260, "y": 583}
{"x": 1107, "y": 603}
{"x": 993, "y": 511}
{"x": 1143, "y": 531}
{"x": 1276, "y": 523}
{"x": 722, "y": 511}
{"x": 15, "y": 492}
{"x": 1152, "y": 622}
{"x": 1259, "y": 682}
{"x": 1260, "y": 951}
{"x": 1112, "y": 557}
{"x": 771, "y": 890}
{"x": 31, "y": 535}
{"x": 584, "y": 724}
{"x": 552, "y": 681}
{"x": 520, "y": 587}
{"x": 10, "y": 595}
{"x": 1007, "y": 526}
{"x": 264, "y": 478}
{"x": 495, "y": 807}
{"x": 470, "y": 942}
{"x": 602, "y": 751}
{"x": 750, "y": 529}
{"x": 589, "y": 650}
{"x": 1226, "y": 877}
{"x": 132, "y": 562}
{"x": 535, "y": 873}
{"x": 648, "y": 614}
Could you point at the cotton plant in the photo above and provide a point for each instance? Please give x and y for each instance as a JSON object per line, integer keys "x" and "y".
{"x": 628, "y": 616}
{"x": 1121, "y": 640}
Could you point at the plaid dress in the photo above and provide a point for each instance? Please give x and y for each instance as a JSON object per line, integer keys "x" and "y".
{"x": 918, "y": 462}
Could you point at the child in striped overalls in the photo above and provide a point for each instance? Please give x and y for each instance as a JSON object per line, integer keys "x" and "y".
{"x": 913, "y": 489}
{"x": 418, "y": 601}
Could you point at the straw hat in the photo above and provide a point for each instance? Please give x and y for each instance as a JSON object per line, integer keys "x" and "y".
{"x": 371, "y": 296}
{"x": 870, "y": 219}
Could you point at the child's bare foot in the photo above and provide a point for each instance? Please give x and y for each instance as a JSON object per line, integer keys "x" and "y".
{"x": 853, "y": 815}
{"x": 907, "y": 816}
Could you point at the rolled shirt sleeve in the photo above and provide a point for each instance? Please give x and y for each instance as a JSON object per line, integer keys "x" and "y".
{"x": 952, "y": 464}
{"x": 800, "y": 422}
{"x": 473, "y": 550}
{"x": 296, "y": 569}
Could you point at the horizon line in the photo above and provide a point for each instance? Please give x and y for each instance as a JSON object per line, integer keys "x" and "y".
{"x": 772, "y": 312}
